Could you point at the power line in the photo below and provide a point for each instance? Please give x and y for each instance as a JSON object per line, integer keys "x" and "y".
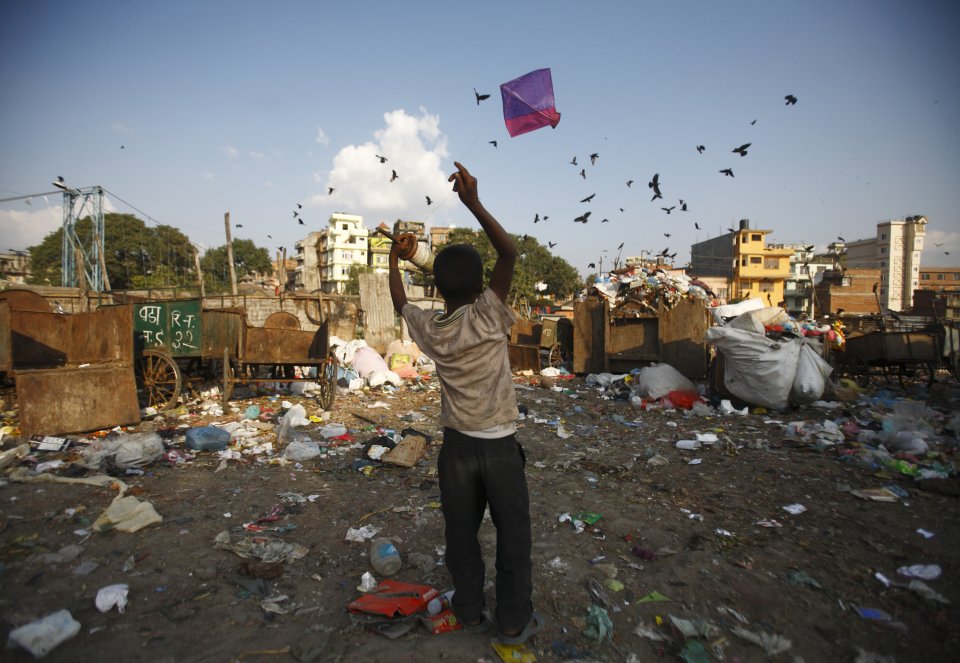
{"x": 28, "y": 196}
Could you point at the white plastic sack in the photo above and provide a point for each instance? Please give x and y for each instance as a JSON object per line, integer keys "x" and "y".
{"x": 757, "y": 370}
{"x": 367, "y": 360}
{"x": 125, "y": 452}
{"x": 659, "y": 380}
{"x": 603, "y": 379}
{"x": 346, "y": 351}
{"x": 40, "y": 637}
{"x": 755, "y": 321}
{"x": 722, "y": 313}
{"x": 811, "y": 377}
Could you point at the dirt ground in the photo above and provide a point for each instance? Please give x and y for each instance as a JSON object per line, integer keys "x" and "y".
{"x": 685, "y": 530}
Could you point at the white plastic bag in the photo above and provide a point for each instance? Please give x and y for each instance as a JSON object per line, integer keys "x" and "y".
{"x": 42, "y": 636}
{"x": 659, "y": 380}
{"x": 301, "y": 448}
{"x": 757, "y": 370}
{"x": 366, "y": 360}
{"x": 811, "y": 377}
{"x": 757, "y": 320}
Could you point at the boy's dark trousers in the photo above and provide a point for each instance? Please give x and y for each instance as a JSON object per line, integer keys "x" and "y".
{"x": 475, "y": 472}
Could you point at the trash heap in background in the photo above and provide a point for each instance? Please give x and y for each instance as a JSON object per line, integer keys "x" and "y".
{"x": 768, "y": 359}
{"x": 640, "y": 290}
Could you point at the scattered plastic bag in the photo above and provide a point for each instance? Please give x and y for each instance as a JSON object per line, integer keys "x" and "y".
{"x": 301, "y": 448}
{"x": 659, "y": 380}
{"x": 112, "y": 595}
{"x": 42, "y": 636}
{"x": 127, "y": 514}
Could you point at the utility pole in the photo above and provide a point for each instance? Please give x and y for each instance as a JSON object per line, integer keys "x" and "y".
{"x": 196, "y": 263}
{"x": 233, "y": 271}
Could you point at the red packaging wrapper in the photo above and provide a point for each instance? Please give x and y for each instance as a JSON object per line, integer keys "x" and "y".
{"x": 394, "y": 599}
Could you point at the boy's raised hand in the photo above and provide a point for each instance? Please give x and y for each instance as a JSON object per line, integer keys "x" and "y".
{"x": 464, "y": 184}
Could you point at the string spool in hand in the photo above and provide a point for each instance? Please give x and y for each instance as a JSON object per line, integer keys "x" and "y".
{"x": 419, "y": 254}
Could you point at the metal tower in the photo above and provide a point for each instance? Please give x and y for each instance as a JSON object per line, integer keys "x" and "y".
{"x": 76, "y": 203}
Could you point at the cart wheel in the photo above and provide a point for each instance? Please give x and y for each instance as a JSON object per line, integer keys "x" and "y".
{"x": 160, "y": 380}
{"x": 556, "y": 356}
{"x": 328, "y": 382}
{"x": 859, "y": 370}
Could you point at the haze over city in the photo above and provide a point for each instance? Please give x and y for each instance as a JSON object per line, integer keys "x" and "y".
{"x": 184, "y": 111}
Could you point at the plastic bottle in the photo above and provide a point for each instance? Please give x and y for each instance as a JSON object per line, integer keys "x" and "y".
{"x": 441, "y": 603}
{"x": 384, "y": 557}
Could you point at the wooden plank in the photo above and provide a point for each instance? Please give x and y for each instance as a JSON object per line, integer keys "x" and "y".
{"x": 682, "y": 345}
{"x": 630, "y": 343}
{"x": 74, "y": 400}
{"x": 588, "y": 337}
{"x": 379, "y": 318}
{"x": 47, "y": 340}
{"x": 524, "y": 357}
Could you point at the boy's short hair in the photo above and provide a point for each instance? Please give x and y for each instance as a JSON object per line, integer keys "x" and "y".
{"x": 458, "y": 271}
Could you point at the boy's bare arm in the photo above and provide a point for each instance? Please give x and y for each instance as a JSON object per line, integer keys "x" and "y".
{"x": 465, "y": 185}
{"x": 397, "y": 293}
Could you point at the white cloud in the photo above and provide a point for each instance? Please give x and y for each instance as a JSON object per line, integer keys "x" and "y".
{"x": 414, "y": 146}
{"x": 322, "y": 137}
{"x": 231, "y": 151}
{"x": 28, "y": 226}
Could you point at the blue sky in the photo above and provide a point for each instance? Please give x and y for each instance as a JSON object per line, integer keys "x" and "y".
{"x": 253, "y": 107}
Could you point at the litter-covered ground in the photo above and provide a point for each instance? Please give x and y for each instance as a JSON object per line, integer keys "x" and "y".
{"x": 827, "y": 533}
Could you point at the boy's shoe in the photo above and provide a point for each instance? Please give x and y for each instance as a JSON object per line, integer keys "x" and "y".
{"x": 481, "y": 627}
{"x": 534, "y": 626}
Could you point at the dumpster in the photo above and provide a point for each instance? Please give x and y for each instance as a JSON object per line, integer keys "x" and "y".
{"x": 605, "y": 342}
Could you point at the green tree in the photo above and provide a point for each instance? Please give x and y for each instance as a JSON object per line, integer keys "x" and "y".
{"x": 248, "y": 260}
{"x": 135, "y": 255}
{"x": 352, "y": 286}
{"x": 535, "y": 264}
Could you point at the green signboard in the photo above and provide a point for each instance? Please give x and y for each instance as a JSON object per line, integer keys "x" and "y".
{"x": 171, "y": 326}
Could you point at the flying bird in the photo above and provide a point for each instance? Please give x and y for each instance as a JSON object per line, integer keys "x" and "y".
{"x": 536, "y": 217}
{"x": 683, "y": 205}
{"x": 330, "y": 190}
{"x": 629, "y": 182}
{"x": 808, "y": 248}
{"x": 593, "y": 159}
{"x": 269, "y": 236}
{"x": 492, "y": 142}
{"x": 701, "y": 148}
{"x": 545, "y": 217}
{"x": 429, "y": 201}
{"x": 299, "y": 206}
{"x": 940, "y": 244}
{"x": 620, "y": 247}
{"x": 583, "y": 173}
{"x": 668, "y": 209}
{"x": 742, "y": 150}
{"x": 666, "y": 234}
{"x": 592, "y": 265}
{"x": 393, "y": 175}
{"x": 238, "y": 225}
{"x": 296, "y": 213}
{"x": 655, "y": 185}
{"x": 301, "y": 222}
{"x": 480, "y": 97}
{"x": 732, "y": 230}
{"x": 728, "y": 172}
{"x": 753, "y": 123}
{"x": 841, "y": 238}
{"x": 588, "y": 198}
{"x": 382, "y": 159}
{"x": 791, "y": 100}
{"x": 551, "y": 244}
{"x": 583, "y": 218}
{"x": 573, "y": 161}
{"x": 696, "y": 225}
{"x": 604, "y": 220}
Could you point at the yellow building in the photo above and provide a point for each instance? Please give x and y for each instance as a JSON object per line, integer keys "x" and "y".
{"x": 753, "y": 269}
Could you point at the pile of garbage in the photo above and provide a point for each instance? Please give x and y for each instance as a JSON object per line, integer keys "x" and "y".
{"x": 640, "y": 289}
{"x": 768, "y": 359}
{"x": 361, "y": 366}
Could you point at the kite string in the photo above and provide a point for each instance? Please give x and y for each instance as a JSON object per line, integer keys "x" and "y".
{"x": 446, "y": 198}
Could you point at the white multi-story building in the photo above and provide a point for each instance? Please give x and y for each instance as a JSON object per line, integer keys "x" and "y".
{"x": 896, "y": 252}
{"x": 324, "y": 258}
{"x": 805, "y": 264}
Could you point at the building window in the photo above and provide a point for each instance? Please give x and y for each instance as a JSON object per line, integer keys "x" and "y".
{"x": 771, "y": 263}
{"x": 344, "y": 271}
{"x": 883, "y": 249}
{"x": 345, "y": 226}
{"x": 755, "y": 260}
{"x": 883, "y": 263}
{"x": 846, "y": 281}
{"x": 756, "y": 238}
{"x": 743, "y": 261}
{"x": 805, "y": 269}
{"x": 883, "y": 292}
{"x": 744, "y": 285}
{"x": 926, "y": 277}
{"x": 766, "y": 287}
{"x": 940, "y": 277}
{"x": 883, "y": 235}
{"x": 956, "y": 277}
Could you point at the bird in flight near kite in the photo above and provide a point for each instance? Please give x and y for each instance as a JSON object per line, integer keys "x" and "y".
{"x": 330, "y": 190}
{"x": 382, "y": 159}
{"x": 583, "y": 173}
{"x": 394, "y": 175}
{"x": 629, "y": 182}
{"x": 791, "y": 100}
{"x": 588, "y": 198}
{"x": 701, "y": 148}
{"x": 428, "y": 200}
{"x": 683, "y": 205}
{"x": 583, "y": 218}
{"x": 728, "y": 172}
{"x": 551, "y": 244}
{"x": 528, "y": 103}
{"x": 604, "y": 220}
{"x": 667, "y": 209}
{"x": 492, "y": 142}
{"x": 593, "y": 159}
{"x": 480, "y": 97}
{"x": 696, "y": 225}
{"x": 742, "y": 150}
